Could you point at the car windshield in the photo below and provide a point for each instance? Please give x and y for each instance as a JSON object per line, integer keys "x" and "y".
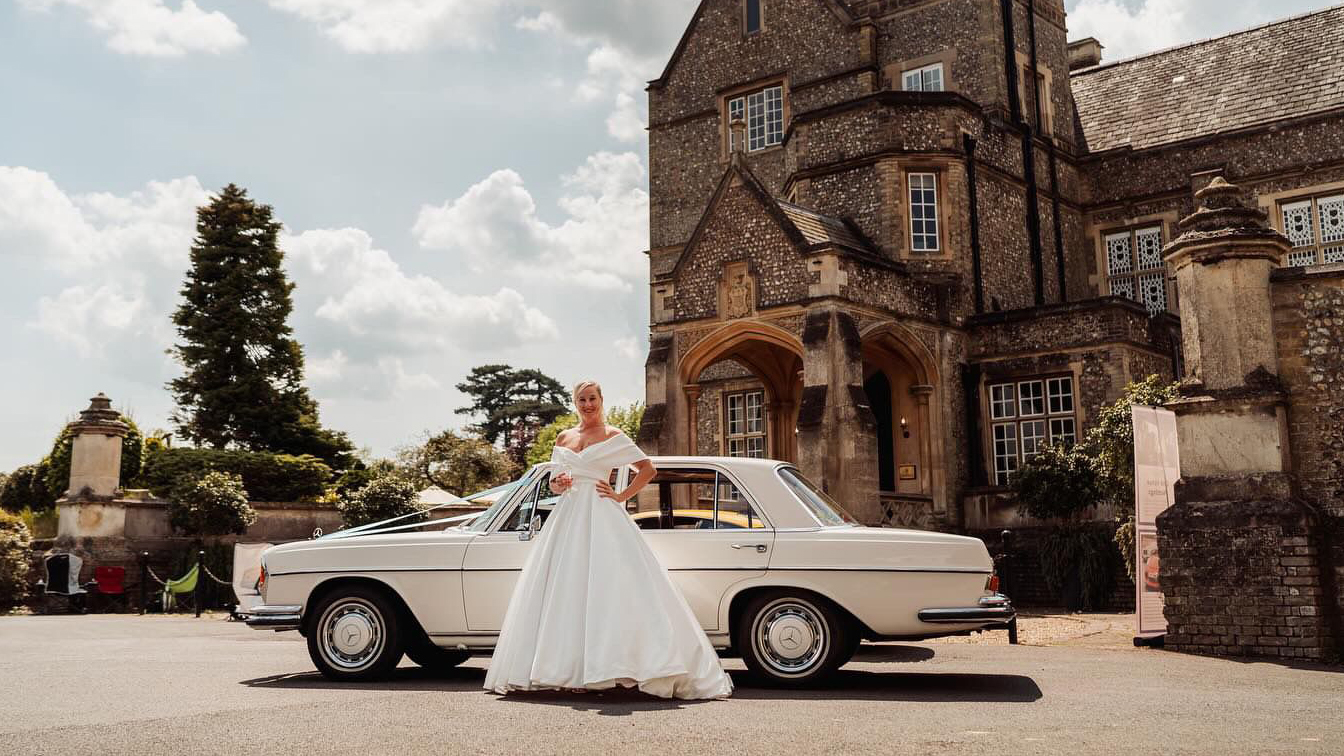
{"x": 823, "y": 507}
{"x": 502, "y": 496}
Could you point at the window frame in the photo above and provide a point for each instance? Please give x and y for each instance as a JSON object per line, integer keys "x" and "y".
{"x": 1318, "y": 247}
{"x": 920, "y": 71}
{"x": 1047, "y": 424}
{"x": 722, "y": 477}
{"x": 745, "y": 435}
{"x": 935, "y": 215}
{"x": 742, "y": 98}
{"x": 747, "y": 31}
{"x": 1135, "y": 275}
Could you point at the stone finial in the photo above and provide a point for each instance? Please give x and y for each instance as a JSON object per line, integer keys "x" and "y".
{"x": 95, "y": 451}
{"x": 1224, "y": 215}
{"x": 738, "y": 129}
{"x": 1222, "y": 261}
{"x": 100, "y": 415}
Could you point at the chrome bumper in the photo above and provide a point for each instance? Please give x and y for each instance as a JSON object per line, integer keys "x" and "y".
{"x": 996, "y": 609}
{"x": 274, "y": 617}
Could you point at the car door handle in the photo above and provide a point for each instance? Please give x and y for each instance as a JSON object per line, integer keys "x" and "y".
{"x": 760, "y": 547}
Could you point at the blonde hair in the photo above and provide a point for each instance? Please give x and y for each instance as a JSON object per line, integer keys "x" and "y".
{"x": 581, "y": 385}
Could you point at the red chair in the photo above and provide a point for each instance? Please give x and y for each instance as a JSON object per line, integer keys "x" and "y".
{"x": 109, "y": 581}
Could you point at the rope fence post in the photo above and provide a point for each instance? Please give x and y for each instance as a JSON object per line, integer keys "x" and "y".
{"x": 200, "y": 564}
{"x": 144, "y": 581}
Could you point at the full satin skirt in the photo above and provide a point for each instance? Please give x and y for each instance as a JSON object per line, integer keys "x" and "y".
{"x": 594, "y": 608}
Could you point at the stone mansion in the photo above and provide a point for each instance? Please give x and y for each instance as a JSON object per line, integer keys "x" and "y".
{"x": 903, "y": 243}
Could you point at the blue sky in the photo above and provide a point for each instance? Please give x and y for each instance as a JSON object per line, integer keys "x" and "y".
{"x": 462, "y": 182}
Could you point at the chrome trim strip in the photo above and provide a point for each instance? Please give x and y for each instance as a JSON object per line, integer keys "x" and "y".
{"x": 771, "y": 568}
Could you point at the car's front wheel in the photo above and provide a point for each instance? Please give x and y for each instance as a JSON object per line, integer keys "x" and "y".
{"x": 356, "y": 634}
{"x": 792, "y": 639}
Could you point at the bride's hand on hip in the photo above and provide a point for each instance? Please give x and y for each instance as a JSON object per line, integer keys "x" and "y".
{"x": 604, "y": 489}
{"x": 561, "y": 483}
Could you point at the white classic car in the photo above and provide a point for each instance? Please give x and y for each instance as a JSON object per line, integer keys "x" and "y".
{"x": 775, "y": 570}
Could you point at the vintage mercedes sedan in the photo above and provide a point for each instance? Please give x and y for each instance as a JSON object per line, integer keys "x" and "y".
{"x": 775, "y": 570}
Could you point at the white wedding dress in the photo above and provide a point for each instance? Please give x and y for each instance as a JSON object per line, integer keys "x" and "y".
{"x": 593, "y": 607}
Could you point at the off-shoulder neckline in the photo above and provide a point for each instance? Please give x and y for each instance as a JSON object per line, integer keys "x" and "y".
{"x": 617, "y": 434}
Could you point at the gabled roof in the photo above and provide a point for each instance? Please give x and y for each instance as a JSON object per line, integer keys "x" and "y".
{"x": 841, "y": 11}
{"x": 1286, "y": 69}
{"x": 809, "y": 230}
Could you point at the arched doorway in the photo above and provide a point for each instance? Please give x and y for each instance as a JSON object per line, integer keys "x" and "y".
{"x": 770, "y": 356}
{"x": 900, "y": 378}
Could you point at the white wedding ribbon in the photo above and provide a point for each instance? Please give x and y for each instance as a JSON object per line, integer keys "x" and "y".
{"x": 374, "y": 528}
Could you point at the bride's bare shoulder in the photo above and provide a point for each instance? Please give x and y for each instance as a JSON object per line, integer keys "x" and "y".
{"x": 612, "y": 432}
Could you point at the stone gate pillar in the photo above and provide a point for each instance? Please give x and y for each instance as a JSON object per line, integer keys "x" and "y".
{"x": 657, "y": 428}
{"x": 1238, "y": 552}
{"x": 837, "y": 433}
{"x": 87, "y": 508}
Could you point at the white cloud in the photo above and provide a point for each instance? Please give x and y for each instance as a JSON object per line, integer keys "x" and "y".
{"x": 368, "y": 295}
{"x": 494, "y": 225}
{"x": 627, "y": 347}
{"x": 87, "y": 319}
{"x": 151, "y": 27}
{"x": 378, "y": 26}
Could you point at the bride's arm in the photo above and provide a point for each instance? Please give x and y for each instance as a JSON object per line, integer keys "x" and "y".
{"x": 645, "y": 474}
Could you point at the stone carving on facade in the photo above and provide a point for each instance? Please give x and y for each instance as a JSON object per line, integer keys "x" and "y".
{"x": 737, "y": 291}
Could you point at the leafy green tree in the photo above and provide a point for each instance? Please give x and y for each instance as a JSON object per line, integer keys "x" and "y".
{"x": 514, "y": 405}
{"x": 58, "y": 461}
{"x": 17, "y": 490}
{"x": 459, "y": 465}
{"x": 14, "y": 555}
{"x": 243, "y": 380}
{"x": 381, "y": 499}
{"x": 213, "y": 504}
{"x": 626, "y": 418}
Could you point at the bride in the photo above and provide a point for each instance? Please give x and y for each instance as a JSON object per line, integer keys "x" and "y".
{"x": 593, "y": 607}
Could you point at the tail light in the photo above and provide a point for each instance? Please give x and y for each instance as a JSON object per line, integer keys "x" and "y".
{"x": 992, "y": 583}
{"x": 261, "y": 581}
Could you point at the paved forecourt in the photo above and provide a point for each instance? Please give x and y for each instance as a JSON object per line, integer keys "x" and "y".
{"x": 124, "y": 684}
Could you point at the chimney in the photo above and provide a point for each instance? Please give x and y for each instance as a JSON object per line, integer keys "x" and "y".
{"x": 1084, "y": 53}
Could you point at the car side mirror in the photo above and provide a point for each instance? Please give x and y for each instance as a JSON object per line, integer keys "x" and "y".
{"x": 525, "y": 532}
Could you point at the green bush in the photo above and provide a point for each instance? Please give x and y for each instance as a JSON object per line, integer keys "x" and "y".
{"x": 13, "y": 560}
{"x": 381, "y": 499}
{"x": 1084, "y": 549}
{"x": 213, "y": 505}
{"x": 266, "y": 476}
{"x": 57, "y": 476}
{"x": 26, "y": 488}
{"x": 1057, "y": 482}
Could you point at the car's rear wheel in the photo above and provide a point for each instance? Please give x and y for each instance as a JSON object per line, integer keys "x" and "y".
{"x": 792, "y": 639}
{"x": 356, "y": 634}
{"x": 435, "y": 658}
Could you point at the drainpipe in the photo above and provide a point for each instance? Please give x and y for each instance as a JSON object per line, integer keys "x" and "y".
{"x": 968, "y": 142}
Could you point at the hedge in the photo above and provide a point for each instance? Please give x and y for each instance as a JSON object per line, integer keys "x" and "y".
{"x": 266, "y": 476}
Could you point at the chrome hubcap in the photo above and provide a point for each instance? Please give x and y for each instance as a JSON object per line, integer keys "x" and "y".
{"x": 790, "y": 636}
{"x": 352, "y": 634}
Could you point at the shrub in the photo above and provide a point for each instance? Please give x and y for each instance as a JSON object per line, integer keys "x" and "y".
{"x": 381, "y": 499}
{"x": 1058, "y": 482}
{"x": 57, "y": 476}
{"x": 26, "y": 488}
{"x": 13, "y": 560}
{"x": 266, "y": 476}
{"x": 1086, "y": 550}
{"x": 211, "y": 505}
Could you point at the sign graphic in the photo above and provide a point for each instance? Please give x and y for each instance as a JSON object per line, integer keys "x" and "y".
{"x": 1157, "y": 465}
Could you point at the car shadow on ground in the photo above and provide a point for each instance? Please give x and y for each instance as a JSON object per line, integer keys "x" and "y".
{"x": 845, "y": 684}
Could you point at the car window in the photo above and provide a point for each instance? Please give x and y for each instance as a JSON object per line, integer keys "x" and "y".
{"x": 823, "y": 507}
{"x": 538, "y": 499}
{"x": 693, "y": 499}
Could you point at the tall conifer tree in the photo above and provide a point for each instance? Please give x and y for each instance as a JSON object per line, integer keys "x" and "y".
{"x": 243, "y": 380}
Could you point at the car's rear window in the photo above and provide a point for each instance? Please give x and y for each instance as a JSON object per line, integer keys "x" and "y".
{"x": 823, "y": 507}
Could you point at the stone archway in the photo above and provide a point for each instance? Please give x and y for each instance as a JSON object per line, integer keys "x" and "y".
{"x": 904, "y": 375}
{"x": 773, "y": 356}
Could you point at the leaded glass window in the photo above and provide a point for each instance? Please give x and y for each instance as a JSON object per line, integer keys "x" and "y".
{"x": 1315, "y": 227}
{"x": 744, "y": 414}
{"x": 763, "y": 111}
{"x": 1026, "y": 415}
{"x": 1134, "y": 266}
